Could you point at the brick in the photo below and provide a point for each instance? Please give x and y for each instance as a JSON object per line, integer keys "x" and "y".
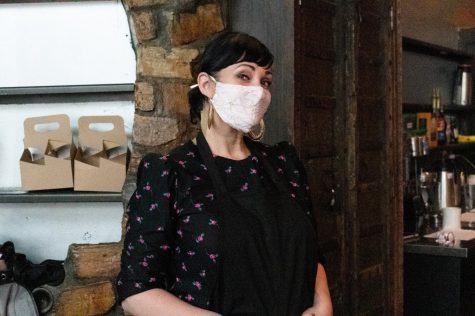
{"x": 144, "y": 96}
{"x": 189, "y": 27}
{"x": 174, "y": 98}
{"x": 145, "y": 25}
{"x": 95, "y": 261}
{"x": 92, "y": 299}
{"x": 147, "y": 3}
{"x": 154, "y": 131}
{"x": 143, "y": 3}
{"x": 157, "y": 62}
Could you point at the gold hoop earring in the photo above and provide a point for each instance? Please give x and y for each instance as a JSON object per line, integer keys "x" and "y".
{"x": 258, "y": 136}
{"x": 210, "y": 115}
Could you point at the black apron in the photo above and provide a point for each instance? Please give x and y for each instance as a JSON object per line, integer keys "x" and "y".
{"x": 268, "y": 254}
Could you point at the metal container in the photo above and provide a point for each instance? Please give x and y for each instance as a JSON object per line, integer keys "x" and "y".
{"x": 429, "y": 190}
{"x": 44, "y": 299}
{"x": 469, "y": 197}
{"x": 448, "y": 190}
{"x": 419, "y": 146}
{"x": 462, "y": 94}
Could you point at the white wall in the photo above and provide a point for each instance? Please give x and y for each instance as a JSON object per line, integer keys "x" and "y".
{"x": 45, "y": 230}
{"x": 65, "y": 43}
{"x": 59, "y": 44}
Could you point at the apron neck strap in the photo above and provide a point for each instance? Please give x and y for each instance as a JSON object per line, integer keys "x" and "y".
{"x": 278, "y": 181}
{"x": 218, "y": 183}
{"x": 208, "y": 160}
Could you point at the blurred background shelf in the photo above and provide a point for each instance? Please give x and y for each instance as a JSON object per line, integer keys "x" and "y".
{"x": 417, "y": 46}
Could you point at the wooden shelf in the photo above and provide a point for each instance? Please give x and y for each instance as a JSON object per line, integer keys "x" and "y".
{"x": 417, "y": 46}
{"x": 57, "y": 196}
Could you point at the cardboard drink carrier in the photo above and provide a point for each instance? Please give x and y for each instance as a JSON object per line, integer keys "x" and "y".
{"x": 46, "y": 161}
{"x": 100, "y": 162}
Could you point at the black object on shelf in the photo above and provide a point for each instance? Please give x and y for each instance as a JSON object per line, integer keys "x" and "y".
{"x": 421, "y": 47}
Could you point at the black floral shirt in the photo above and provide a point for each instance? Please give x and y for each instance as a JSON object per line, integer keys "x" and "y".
{"x": 171, "y": 239}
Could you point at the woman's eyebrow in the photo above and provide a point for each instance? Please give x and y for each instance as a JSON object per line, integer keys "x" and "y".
{"x": 268, "y": 72}
{"x": 248, "y": 65}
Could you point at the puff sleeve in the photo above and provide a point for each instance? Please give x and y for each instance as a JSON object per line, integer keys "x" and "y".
{"x": 146, "y": 260}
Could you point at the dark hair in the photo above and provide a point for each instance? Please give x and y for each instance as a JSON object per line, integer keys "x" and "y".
{"x": 224, "y": 50}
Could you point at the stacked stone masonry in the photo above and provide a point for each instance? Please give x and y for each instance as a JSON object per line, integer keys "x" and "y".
{"x": 189, "y": 27}
{"x": 158, "y": 62}
{"x": 145, "y": 25}
{"x": 145, "y": 97}
{"x": 95, "y": 261}
{"x": 92, "y": 299}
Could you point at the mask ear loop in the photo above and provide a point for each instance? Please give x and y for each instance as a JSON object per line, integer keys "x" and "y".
{"x": 196, "y": 85}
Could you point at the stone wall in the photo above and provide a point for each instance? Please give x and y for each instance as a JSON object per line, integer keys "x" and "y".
{"x": 168, "y": 36}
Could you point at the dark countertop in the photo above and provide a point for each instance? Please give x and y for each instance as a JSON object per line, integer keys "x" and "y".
{"x": 428, "y": 246}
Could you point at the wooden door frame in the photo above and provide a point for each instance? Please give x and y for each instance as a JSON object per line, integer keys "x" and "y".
{"x": 395, "y": 151}
{"x": 393, "y": 186}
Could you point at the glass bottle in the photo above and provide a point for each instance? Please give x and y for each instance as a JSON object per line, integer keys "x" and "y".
{"x": 454, "y": 135}
{"x": 433, "y": 121}
{"x": 441, "y": 123}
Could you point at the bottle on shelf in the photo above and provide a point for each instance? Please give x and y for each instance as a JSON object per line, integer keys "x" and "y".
{"x": 433, "y": 122}
{"x": 441, "y": 123}
{"x": 454, "y": 132}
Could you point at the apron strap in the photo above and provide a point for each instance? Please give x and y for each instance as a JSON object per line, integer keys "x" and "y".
{"x": 270, "y": 170}
{"x": 208, "y": 160}
{"x": 216, "y": 179}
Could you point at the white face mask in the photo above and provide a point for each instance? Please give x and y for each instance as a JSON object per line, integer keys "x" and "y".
{"x": 241, "y": 107}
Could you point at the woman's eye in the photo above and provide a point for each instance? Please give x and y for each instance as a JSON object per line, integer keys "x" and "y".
{"x": 266, "y": 83}
{"x": 243, "y": 77}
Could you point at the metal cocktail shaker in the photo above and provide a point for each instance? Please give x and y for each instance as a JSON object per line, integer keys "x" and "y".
{"x": 462, "y": 94}
{"x": 448, "y": 190}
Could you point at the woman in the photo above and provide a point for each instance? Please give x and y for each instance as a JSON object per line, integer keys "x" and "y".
{"x": 223, "y": 225}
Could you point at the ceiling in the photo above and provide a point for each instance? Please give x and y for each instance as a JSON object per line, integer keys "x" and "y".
{"x": 458, "y": 13}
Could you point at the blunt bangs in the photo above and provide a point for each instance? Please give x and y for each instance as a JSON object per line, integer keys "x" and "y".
{"x": 233, "y": 47}
{"x": 253, "y": 51}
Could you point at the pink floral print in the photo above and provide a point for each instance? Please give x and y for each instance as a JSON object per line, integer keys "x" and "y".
{"x": 170, "y": 220}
